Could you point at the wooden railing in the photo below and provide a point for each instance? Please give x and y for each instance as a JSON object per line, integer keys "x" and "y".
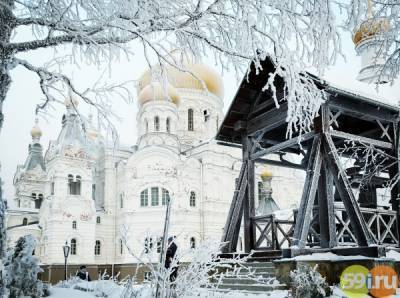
{"x": 275, "y": 234}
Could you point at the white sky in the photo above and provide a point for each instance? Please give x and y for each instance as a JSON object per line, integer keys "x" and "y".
{"x": 24, "y": 94}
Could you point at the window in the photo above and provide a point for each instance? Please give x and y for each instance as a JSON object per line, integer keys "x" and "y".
{"x": 73, "y": 246}
{"x": 159, "y": 244}
{"x": 206, "y": 115}
{"x": 38, "y": 201}
{"x": 168, "y": 125}
{"x": 52, "y": 188}
{"x": 154, "y": 196}
{"x": 147, "y": 275}
{"x": 33, "y": 196}
{"x": 156, "y": 123}
{"x": 93, "y": 192}
{"x": 164, "y": 197}
{"x": 144, "y": 198}
{"x": 192, "y": 242}
{"x": 74, "y": 185}
{"x": 74, "y": 224}
{"x": 121, "y": 200}
{"x": 260, "y": 190}
{"x": 190, "y": 120}
{"x": 121, "y": 246}
{"x": 98, "y": 219}
{"x": 148, "y": 244}
{"x": 25, "y": 222}
{"x": 97, "y": 248}
{"x": 192, "y": 199}
{"x": 146, "y": 125}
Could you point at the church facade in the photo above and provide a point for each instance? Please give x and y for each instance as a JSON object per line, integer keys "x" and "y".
{"x": 109, "y": 202}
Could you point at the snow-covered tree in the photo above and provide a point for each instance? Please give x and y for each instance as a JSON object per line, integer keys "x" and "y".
{"x": 21, "y": 268}
{"x": 297, "y": 34}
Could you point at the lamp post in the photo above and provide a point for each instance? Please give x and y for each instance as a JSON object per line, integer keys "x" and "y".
{"x": 66, "y": 249}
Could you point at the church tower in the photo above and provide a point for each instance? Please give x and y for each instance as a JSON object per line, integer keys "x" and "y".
{"x": 69, "y": 213}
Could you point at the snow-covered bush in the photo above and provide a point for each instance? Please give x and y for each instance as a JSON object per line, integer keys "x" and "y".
{"x": 21, "y": 268}
{"x": 307, "y": 282}
{"x": 203, "y": 270}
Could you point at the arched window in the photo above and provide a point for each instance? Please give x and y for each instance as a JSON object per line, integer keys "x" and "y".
{"x": 74, "y": 224}
{"x": 98, "y": 219}
{"x": 144, "y": 198}
{"x": 156, "y": 123}
{"x": 260, "y": 187}
{"x": 190, "y": 120}
{"x": 192, "y": 242}
{"x": 73, "y": 246}
{"x": 33, "y": 196}
{"x": 154, "y": 196}
{"x": 93, "y": 192}
{"x": 25, "y": 221}
{"x": 38, "y": 201}
{"x": 192, "y": 199}
{"x": 121, "y": 200}
{"x": 52, "y": 188}
{"x": 78, "y": 185}
{"x": 146, "y": 125}
{"x": 121, "y": 246}
{"x": 164, "y": 197}
{"x": 97, "y": 248}
{"x": 206, "y": 115}
{"x": 168, "y": 125}
{"x": 74, "y": 186}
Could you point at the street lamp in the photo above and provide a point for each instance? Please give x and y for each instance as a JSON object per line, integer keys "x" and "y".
{"x": 66, "y": 249}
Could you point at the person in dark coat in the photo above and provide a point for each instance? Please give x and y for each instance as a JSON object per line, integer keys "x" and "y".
{"x": 83, "y": 274}
{"x": 171, "y": 250}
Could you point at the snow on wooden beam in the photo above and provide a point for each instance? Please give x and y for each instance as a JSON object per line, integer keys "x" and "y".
{"x": 357, "y": 138}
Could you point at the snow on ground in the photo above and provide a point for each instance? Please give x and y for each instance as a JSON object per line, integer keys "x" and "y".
{"x": 326, "y": 256}
{"x": 392, "y": 254}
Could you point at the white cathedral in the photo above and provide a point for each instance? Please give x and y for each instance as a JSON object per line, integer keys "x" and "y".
{"x": 90, "y": 195}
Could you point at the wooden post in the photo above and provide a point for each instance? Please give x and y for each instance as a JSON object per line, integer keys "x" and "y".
{"x": 304, "y": 214}
{"x": 248, "y": 203}
{"x": 393, "y": 171}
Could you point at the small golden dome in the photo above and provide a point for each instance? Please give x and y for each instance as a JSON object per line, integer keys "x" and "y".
{"x": 155, "y": 91}
{"x": 193, "y": 78}
{"x": 36, "y": 132}
{"x": 370, "y": 28}
{"x": 266, "y": 174}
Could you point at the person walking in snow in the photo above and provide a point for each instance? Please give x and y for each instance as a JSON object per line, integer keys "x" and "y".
{"x": 171, "y": 251}
{"x": 83, "y": 274}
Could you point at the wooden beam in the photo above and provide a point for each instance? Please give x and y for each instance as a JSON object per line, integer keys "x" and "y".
{"x": 235, "y": 212}
{"x": 304, "y": 215}
{"x": 285, "y": 164}
{"x": 343, "y": 186}
{"x": 358, "y": 109}
{"x": 356, "y": 138}
{"x": 283, "y": 145}
{"x": 268, "y": 120}
{"x": 326, "y": 209}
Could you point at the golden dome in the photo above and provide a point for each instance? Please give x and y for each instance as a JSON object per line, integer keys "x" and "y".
{"x": 370, "y": 28}
{"x": 36, "y": 132}
{"x": 155, "y": 91}
{"x": 193, "y": 78}
{"x": 266, "y": 174}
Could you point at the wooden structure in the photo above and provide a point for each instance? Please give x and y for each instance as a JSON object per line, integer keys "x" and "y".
{"x": 353, "y": 145}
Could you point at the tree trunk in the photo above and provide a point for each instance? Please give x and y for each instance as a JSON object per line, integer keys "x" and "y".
{"x": 7, "y": 24}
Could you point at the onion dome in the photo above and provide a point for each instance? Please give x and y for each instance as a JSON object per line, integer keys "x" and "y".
{"x": 36, "y": 132}
{"x": 156, "y": 91}
{"x": 266, "y": 174}
{"x": 195, "y": 76}
{"x": 369, "y": 29}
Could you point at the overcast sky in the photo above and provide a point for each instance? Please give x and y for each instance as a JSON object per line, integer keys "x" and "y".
{"x": 24, "y": 94}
